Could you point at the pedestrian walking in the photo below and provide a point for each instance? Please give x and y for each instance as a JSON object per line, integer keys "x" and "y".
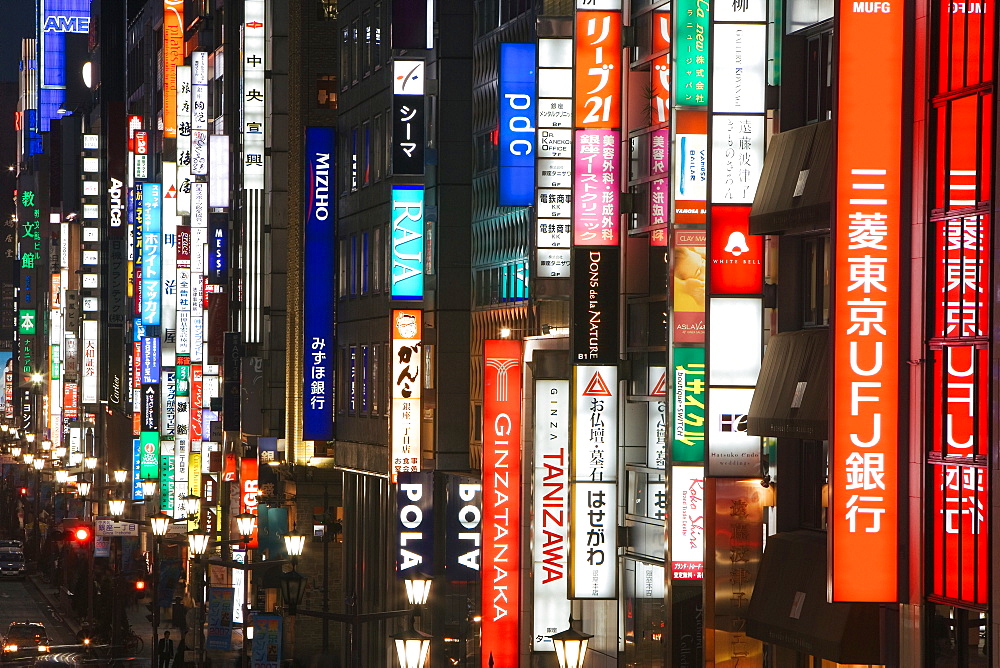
{"x": 178, "y": 615}
{"x": 165, "y": 650}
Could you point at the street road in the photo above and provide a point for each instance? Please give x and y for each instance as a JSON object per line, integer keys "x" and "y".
{"x": 20, "y": 602}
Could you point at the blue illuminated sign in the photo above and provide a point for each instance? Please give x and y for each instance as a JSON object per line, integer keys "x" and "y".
{"x": 320, "y": 270}
{"x": 218, "y": 228}
{"x": 517, "y": 124}
{"x": 137, "y": 494}
{"x": 56, "y": 18}
{"x": 151, "y": 359}
{"x": 408, "y": 242}
{"x": 151, "y": 242}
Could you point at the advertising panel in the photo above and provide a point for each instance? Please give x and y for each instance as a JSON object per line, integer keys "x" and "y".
{"x": 248, "y": 492}
{"x": 656, "y": 418}
{"x": 593, "y": 532}
{"x": 732, "y": 453}
{"x": 550, "y": 528}
{"x": 407, "y": 243}
{"x": 173, "y": 57}
{"x": 254, "y": 87}
{"x": 596, "y": 210}
{"x": 692, "y": 61}
{"x": 517, "y": 124}
{"x": 151, "y": 253}
{"x": 89, "y": 370}
{"x": 595, "y": 430}
{"x": 688, "y": 523}
{"x": 406, "y": 372}
{"x": 501, "y": 565}
{"x": 689, "y": 396}
{"x": 689, "y": 286}
{"x": 737, "y": 157}
{"x": 737, "y": 256}
{"x": 598, "y": 73}
{"x": 320, "y": 286}
{"x": 463, "y": 529}
{"x": 407, "y": 118}
{"x": 690, "y": 167}
{"x": 960, "y": 557}
{"x": 415, "y": 525}
{"x": 864, "y": 527}
{"x": 595, "y": 305}
{"x": 149, "y": 448}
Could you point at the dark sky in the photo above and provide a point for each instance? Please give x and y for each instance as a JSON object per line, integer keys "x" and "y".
{"x": 18, "y": 18}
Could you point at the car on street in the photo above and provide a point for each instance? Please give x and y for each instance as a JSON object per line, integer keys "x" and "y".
{"x": 12, "y": 562}
{"x": 23, "y": 640}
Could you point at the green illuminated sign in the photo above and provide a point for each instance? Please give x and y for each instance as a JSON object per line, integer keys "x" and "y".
{"x": 691, "y": 61}
{"x": 26, "y": 321}
{"x": 689, "y": 392}
{"x": 149, "y": 454}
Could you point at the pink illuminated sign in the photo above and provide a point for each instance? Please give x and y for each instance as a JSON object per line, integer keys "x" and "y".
{"x": 596, "y": 195}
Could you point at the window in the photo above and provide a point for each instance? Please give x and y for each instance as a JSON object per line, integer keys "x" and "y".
{"x": 377, "y": 58}
{"x": 375, "y": 375}
{"x": 354, "y": 265}
{"x": 365, "y": 376}
{"x": 354, "y": 159}
{"x": 355, "y": 50}
{"x": 342, "y": 273}
{"x": 345, "y": 58}
{"x": 364, "y": 263}
{"x": 376, "y": 260}
{"x": 366, "y": 25}
{"x": 819, "y": 77}
{"x": 378, "y": 138}
{"x": 327, "y": 10}
{"x": 366, "y": 154}
{"x": 816, "y": 274}
{"x": 352, "y": 398}
{"x": 326, "y": 91}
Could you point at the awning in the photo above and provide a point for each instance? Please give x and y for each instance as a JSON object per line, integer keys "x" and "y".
{"x": 795, "y": 190}
{"x": 789, "y": 608}
{"x": 793, "y": 389}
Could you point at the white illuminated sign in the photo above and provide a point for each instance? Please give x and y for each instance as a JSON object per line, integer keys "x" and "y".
{"x": 594, "y": 540}
{"x": 734, "y": 179}
{"x": 739, "y": 59}
{"x": 656, "y": 418}
{"x": 253, "y": 86}
{"x": 595, "y": 435}
{"x": 687, "y": 527}
{"x": 735, "y": 340}
{"x": 88, "y": 389}
{"x": 550, "y": 531}
{"x": 183, "y": 172}
{"x": 731, "y": 451}
{"x": 554, "y": 164}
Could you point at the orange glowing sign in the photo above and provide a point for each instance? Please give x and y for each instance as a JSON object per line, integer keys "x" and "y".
{"x": 173, "y": 56}
{"x": 598, "y": 69}
{"x": 864, "y": 464}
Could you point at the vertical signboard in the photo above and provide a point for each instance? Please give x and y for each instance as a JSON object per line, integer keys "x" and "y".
{"x": 595, "y": 305}
{"x": 691, "y": 54}
{"x": 249, "y": 491}
{"x": 960, "y": 529}
{"x": 687, "y": 528}
{"x": 517, "y": 124}
{"x": 319, "y": 285}
{"x": 406, "y": 384}
{"x": 463, "y": 529}
{"x": 254, "y": 89}
{"x": 554, "y": 193}
{"x": 173, "y": 57}
{"x": 550, "y": 529}
{"x": 415, "y": 525}
{"x": 594, "y": 471}
{"x": 501, "y": 566}
{"x": 151, "y": 256}
{"x": 407, "y": 243}
{"x": 864, "y": 496}
{"x": 656, "y": 417}
{"x": 407, "y": 118}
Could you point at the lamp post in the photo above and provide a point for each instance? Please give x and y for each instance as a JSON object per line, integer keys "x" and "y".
{"x": 293, "y": 583}
{"x": 117, "y": 508}
{"x": 198, "y": 545}
{"x": 571, "y": 646}
{"x": 245, "y": 525}
{"x": 412, "y": 647}
{"x": 159, "y": 523}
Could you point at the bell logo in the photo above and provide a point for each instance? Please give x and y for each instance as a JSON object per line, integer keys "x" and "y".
{"x": 737, "y": 244}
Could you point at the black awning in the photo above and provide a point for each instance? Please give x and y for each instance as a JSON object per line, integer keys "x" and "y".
{"x": 796, "y": 185}
{"x": 792, "y": 395}
{"x": 789, "y": 607}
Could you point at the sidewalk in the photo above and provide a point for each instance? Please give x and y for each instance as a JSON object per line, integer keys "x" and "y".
{"x": 142, "y": 627}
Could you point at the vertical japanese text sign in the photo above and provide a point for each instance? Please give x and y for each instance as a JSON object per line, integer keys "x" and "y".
{"x": 864, "y": 470}
{"x": 501, "y": 566}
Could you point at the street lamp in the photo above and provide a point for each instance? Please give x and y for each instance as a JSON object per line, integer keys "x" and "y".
{"x": 160, "y": 522}
{"x": 116, "y": 507}
{"x": 192, "y": 504}
{"x": 62, "y": 475}
{"x": 29, "y": 458}
{"x": 198, "y": 543}
{"x": 58, "y": 453}
{"x": 245, "y": 523}
{"x": 149, "y": 490}
{"x": 90, "y": 463}
{"x": 30, "y": 438}
{"x": 417, "y": 591}
{"x": 47, "y": 445}
{"x": 84, "y": 488}
{"x": 15, "y": 450}
{"x": 292, "y": 588}
{"x": 120, "y": 476}
{"x": 412, "y": 647}
{"x": 39, "y": 464}
{"x": 571, "y": 646}
{"x": 294, "y": 544}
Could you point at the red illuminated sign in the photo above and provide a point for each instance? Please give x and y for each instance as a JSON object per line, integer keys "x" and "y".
{"x": 501, "y": 503}
{"x": 961, "y": 533}
{"x": 598, "y": 69}
{"x": 141, "y": 142}
{"x": 864, "y": 463}
{"x": 173, "y": 56}
{"x": 248, "y": 492}
{"x": 737, "y": 256}
{"x": 71, "y": 400}
{"x": 660, "y": 69}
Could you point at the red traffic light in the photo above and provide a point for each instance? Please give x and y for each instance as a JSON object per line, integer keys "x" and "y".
{"x": 24, "y": 491}
{"x": 81, "y": 534}
{"x": 140, "y": 585}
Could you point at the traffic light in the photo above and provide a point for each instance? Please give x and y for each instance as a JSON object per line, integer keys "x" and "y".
{"x": 140, "y": 588}
{"x": 24, "y": 491}
{"x": 81, "y": 534}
